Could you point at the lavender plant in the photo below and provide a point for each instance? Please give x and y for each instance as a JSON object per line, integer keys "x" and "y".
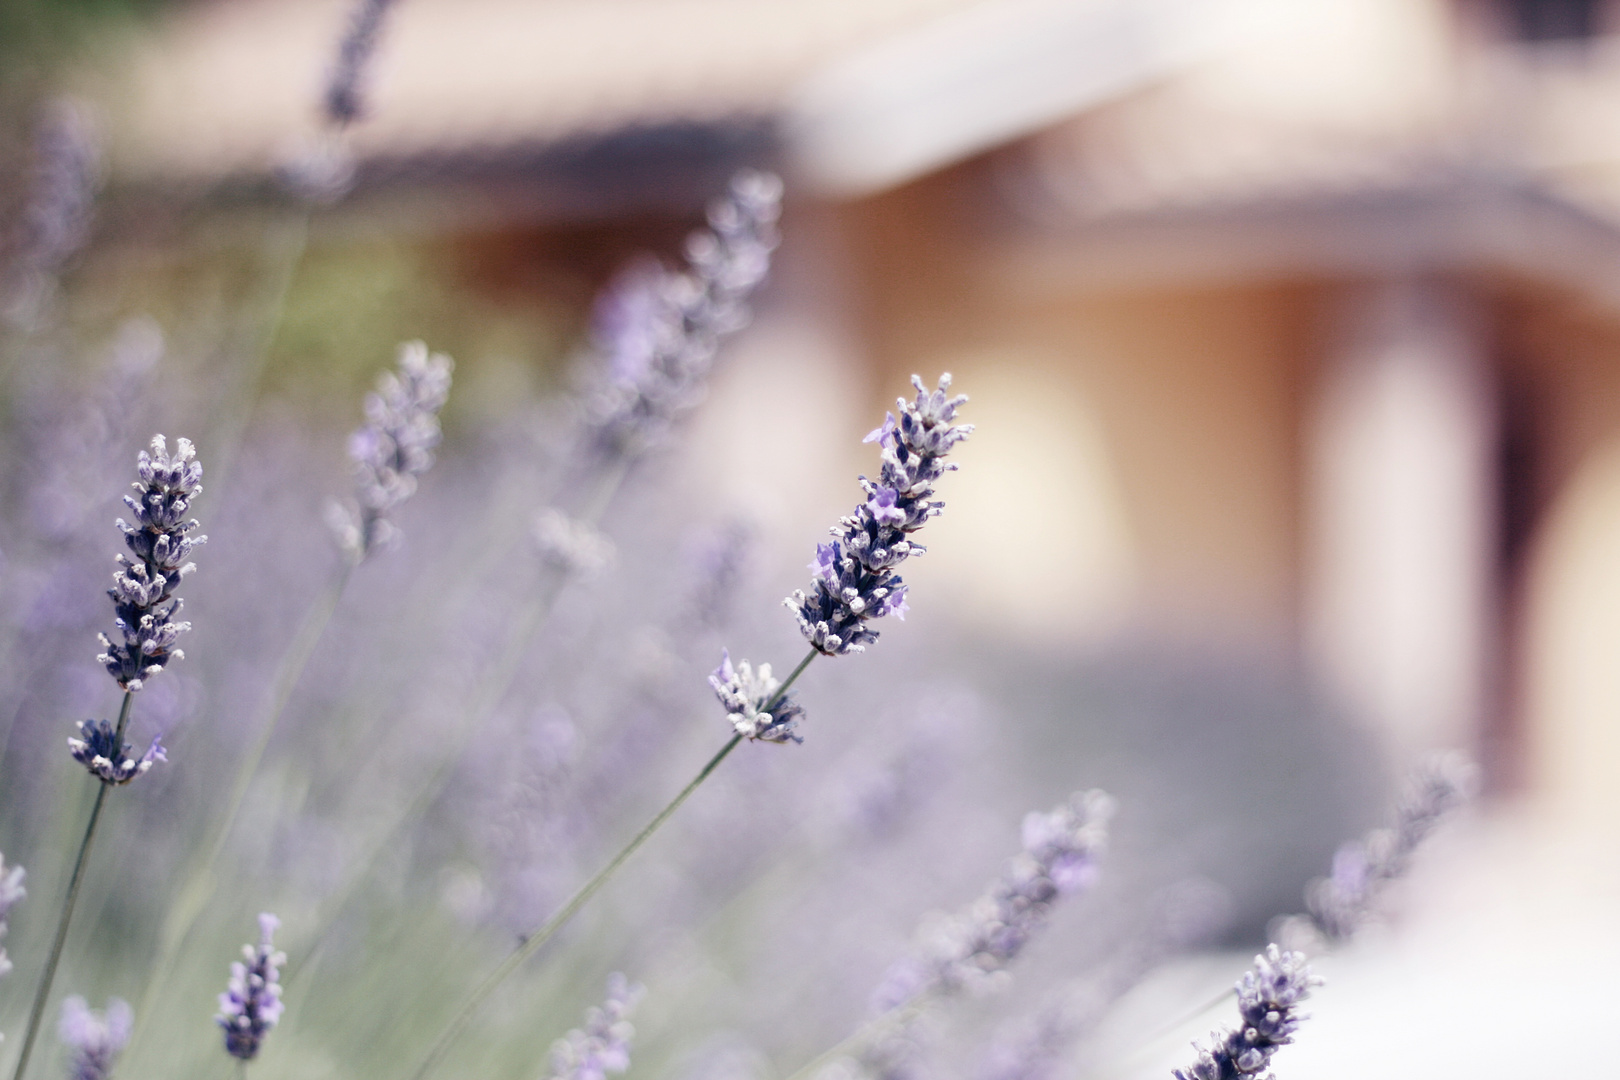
{"x": 1269, "y": 995}
{"x": 56, "y": 219}
{"x": 602, "y": 1046}
{"x": 343, "y": 101}
{"x": 251, "y": 1004}
{"x": 11, "y": 891}
{"x": 94, "y": 1040}
{"x": 145, "y": 609}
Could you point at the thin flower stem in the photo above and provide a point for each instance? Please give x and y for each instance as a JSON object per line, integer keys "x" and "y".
{"x": 787, "y": 684}
{"x": 202, "y": 880}
{"x": 49, "y": 975}
{"x": 860, "y": 1037}
{"x": 568, "y": 910}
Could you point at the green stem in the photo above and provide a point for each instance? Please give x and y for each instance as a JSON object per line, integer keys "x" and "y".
{"x": 568, "y": 910}
{"x": 860, "y": 1037}
{"x": 781, "y": 691}
{"x": 202, "y": 880}
{"x": 49, "y": 975}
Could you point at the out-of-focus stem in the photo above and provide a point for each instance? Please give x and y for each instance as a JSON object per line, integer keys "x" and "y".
{"x": 201, "y": 881}
{"x": 534, "y": 941}
{"x": 48, "y": 976}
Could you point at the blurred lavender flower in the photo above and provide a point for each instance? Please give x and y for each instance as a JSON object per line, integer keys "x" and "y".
{"x": 1269, "y": 995}
{"x": 602, "y": 1046}
{"x": 971, "y": 949}
{"x": 1341, "y": 902}
{"x": 854, "y": 578}
{"x": 745, "y": 693}
{"x": 658, "y": 330}
{"x": 94, "y": 1040}
{"x": 251, "y": 1004}
{"x": 342, "y": 101}
{"x": 11, "y": 891}
{"x": 393, "y": 448}
{"x": 107, "y": 759}
{"x": 721, "y": 562}
{"x": 143, "y": 589}
{"x": 570, "y": 546}
{"x": 55, "y": 221}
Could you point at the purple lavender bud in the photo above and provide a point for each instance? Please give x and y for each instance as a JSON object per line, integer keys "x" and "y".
{"x": 744, "y": 692}
{"x": 94, "y": 1040}
{"x": 854, "y": 578}
{"x": 394, "y": 447}
{"x": 11, "y": 891}
{"x": 602, "y": 1046}
{"x": 342, "y": 101}
{"x": 251, "y": 1004}
{"x": 109, "y": 761}
{"x": 143, "y": 587}
{"x": 1269, "y": 995}
{"x": 1343, "y": 901}
{"x": 658, "y": 330}
{"x": 971, "y": 949}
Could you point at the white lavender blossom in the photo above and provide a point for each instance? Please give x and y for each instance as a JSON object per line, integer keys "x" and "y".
{"x": 658, "y": 330}
{"x": 251, "y": 1004}
{"x": 971, "y": 949}
{"x": 1269, "y": 995}
{"x": 570, "y": 546}
{"x": 1341, "y": 902}
{"x": 108, "y": 759}
{"x": 143, "y": 587}
{"x": 745, "y": 693}
{"x": 11, "y": 891}
{"x": 94, "y": 1040}
{"x": 602, "y": 1046}
{"x": 855, "y": 580}
{"x": 55, "y": 221}
{"x": 393, "y": 447}
{"x": 342, "y": 101}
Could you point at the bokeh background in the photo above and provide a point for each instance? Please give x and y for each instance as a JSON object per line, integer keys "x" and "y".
{"x": 1293, "y": 338}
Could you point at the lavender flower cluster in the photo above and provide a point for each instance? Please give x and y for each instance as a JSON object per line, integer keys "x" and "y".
{"x": 658, "y": 330}
{"x": 752, "y": 703}
{"x": 107, "y": 757}
{"x": 342, "y": 100}
{"x": 1341, "y": 902}
{"x": 94, "y": 1040}
{"x": 393, "y": 447}
{"x": 971, "y": 949}
{"x": 251, "y": 1004}
{"x": 602, "y": 1046}
{"x": 1269, "y": 995}
{"x": 143, "y": 589}
{"x": 855, "y": 580}
{"x": 11, "y": 891}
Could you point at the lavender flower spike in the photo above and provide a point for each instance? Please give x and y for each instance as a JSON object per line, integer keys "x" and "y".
{"x": 342, "y": 101}
{"x": 11, "y": 891}
{"x": 971, "y": 949}
{"x": 1269, "y": 995}
{"x": 394, "y": 447}
{"x": 603, "y": 1045}
{"x": 143, "y": 587}
{"x": 658, "y": 330}
{"x": 745, "y": 692}
{"x": 251, "y": 1003}
{"x": 108, "y": 760}
{"x": 854, "y": 575}
{"x": 94, "y": 1040}
{"x": 1340, "y": 903}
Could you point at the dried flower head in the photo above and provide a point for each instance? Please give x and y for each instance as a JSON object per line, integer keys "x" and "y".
{"x": 1341, "y": 902}
{"x": 855, "y": 580}
{"x": 11, "y": 891}
{"x": 745, "y": 693}
{"x": 658, "y": 330}
{"x": 602, "y": 1046}
{"x": 161, "y": 542}
{"x": 251, "y": 1003}
{"x": 94, "y": 1040}
{"x": 971, "y": 949}
{"x": 1269, "y": 995}
{"x": 108, "y": 759}
{"x": 393, "y": 447}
